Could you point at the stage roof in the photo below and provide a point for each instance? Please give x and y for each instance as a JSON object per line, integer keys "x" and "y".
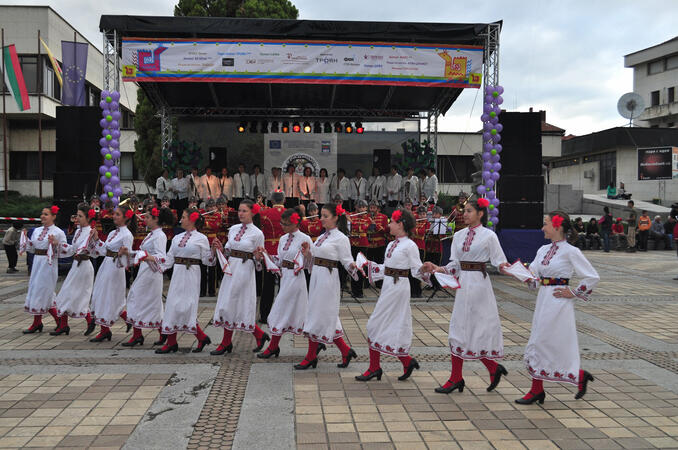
{"x": 269, "y": 100}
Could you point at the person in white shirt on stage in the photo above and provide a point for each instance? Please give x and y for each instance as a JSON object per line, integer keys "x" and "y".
{"x": 257, "y": 183}
{"x": 241, "y": 186}
{"x": 358, "y": 188}
{"x": 306, "y": 186}
{"x": 430, "y": 186}
{"x": 226, "y": 184}
{"x": 394, "y": 184}
{"x": 291, "y": 186}
{"x": 194, "y": 183}
{"x": 375, "y": 186}
{"x": 322, "y": 188}
{"x": 341, "y": 186}
{"x": 274, "y": 183}
{"x": 180, "y": 188}
{"x": 210, "y": 185}
{"x": 163, "y": 186}
{"x": 411, "y": 187}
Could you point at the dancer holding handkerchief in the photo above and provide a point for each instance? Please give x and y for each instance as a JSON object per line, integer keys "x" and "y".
{"x": 475, "y": 329}
{"x": 552, "y": 353}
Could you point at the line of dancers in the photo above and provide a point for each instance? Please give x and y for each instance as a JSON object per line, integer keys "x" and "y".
{"x": 309, "y": 309}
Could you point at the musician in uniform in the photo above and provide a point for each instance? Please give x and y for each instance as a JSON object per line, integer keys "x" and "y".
{"x": 418, "y": 236}
{"x": 208, "y": 284}
{"x": 310, "y": 224}
{"x": 194, "y": 183}
{"x": 163, "y": 186}
{"x": 341, "y": 186}
{"x": 375, "y": 186}
{"x": 270, "y": 226}
{"x": 225, "y": 185}
{"x": 273, "y": 183}
{"x": 457, "y": 215}
{"x": 359, "y": 222}
{"x": 358, "y": 187}
{"x": 180, "y": 186}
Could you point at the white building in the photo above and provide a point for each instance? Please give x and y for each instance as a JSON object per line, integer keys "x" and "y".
{"x": 21, "y": 25}
{"x": 655, "y": 78}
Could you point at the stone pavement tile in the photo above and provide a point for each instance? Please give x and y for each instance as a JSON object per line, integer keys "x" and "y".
{"x": 377, "y": 446}
{"x": 404, "y": 436}
{"x": 110, "y": 441}
{"x": 370, "y": 426}
{"x": 539, "y": 444}
{"x": 665, "y": 442}
{"x": 342, "y": 437}
{"x": 370, "y": 437}
{"x": 23, "y": 431}
{"x": 602, "y": 443}
{"x": 299, "y": 447}
{"x": 76, "y": 441}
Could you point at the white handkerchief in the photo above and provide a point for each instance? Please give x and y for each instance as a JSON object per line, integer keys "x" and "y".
{"x": 270, "y": 265}
{"x": 23, "y": 242}
{"x": 298, "y": 263}
{"x": 50, "y": 253}
{"x": 518, "y": 271}
{"x": 360, "y": 260}
{"x": 223, "y": 262}
{"x": 447, "y": 281}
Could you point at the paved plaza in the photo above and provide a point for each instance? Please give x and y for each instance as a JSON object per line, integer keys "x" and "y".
{"x": 67, "y": 392}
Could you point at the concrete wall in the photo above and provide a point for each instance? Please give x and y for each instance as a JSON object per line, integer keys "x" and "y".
{"x": 562, "y": 197}
{"x": 574, "y": 176}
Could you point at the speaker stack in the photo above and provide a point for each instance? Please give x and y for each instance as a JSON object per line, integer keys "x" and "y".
{"x": 521, "y": 186}
{"x": 77, "y": 157}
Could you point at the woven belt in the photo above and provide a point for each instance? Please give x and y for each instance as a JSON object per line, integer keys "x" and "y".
{"x": 396, "y": 273}
{"x": 81, "y": 258}
{"x": 111, "y": 254}
{"x": 546, "y": 281}
{"x": 188, "y": 262}
{"x": 288, "y": 264}
{"x": 39, "y": 252}
{"x": 474, "y": 267}
{"x": 242, "y": 255}
{"x": 322, "y": 262}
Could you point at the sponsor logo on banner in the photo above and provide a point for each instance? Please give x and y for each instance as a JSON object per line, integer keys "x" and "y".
{"x": 325, "y": 146}
{"x": 374, "y": 57}
{"x": 150, "y": 61}
{"x": 228, "y": 62}
{"x": 302, "y": 160}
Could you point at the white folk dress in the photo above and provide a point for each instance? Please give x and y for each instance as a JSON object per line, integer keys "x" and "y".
{"x": 322, "y": 322}
{"x": 183, "y": 295}
{"x": 144, "y": 300}
{"x": 389, "y": 329}
{"x": 237, "y": 301}
{"x": 108, "y": 295}
{"x": 289, "y": 309}
{"x": 552, "y": 353}
{"x": 44, "y": 273}
{"x": 76, "y": 291}
{"x": 475, "y": 329}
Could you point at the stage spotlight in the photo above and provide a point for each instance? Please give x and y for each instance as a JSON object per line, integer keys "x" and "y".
{"x": 296, "y": 127}
{"x": 359, "y": 128}
{"x": 327, "y": 127}
{"x": 264, "y": 126}
{"x": 274, "y": 127}
{"x": 307, "y": 127}
{"x": 338, "y": 127}
{"x": 253, "y": 127}
{"x": 242, "y": 127}
{"x": 317, "y": 127}
{"x": 348, "y": 128}
{"x": 285, "y": 127}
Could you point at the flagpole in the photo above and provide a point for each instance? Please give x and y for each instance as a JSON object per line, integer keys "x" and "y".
{"x": 40, "y": 87}
{"x": 4, "y": 113}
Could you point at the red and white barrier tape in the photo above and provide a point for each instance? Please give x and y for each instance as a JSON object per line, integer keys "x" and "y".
{"x": 22, "y": 219}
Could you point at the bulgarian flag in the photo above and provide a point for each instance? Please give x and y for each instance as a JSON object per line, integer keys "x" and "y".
{"x": 14, "y": 78}
{"x": 55, "y": 64}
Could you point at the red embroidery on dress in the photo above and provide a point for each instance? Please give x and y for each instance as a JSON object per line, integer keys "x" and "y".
{"x": 187, "y": 236}
{"x": 75, "y": 238}
{"x": 549, "y": 256}
{"x": 392, "y": 247}
{"x": 113, "y": 235}
{"x": 146, "y": 238}
{"x": 469, "y": 239}
{"x": 240, "y": 233}
{"x": 322, "y": 238}
{"x": 290, "y": 237}
{"x": 43, "y": 233}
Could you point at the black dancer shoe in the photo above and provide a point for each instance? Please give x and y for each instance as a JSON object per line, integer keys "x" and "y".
{"x": 266, "y": 354}
{"x": 264, "y": 338}
{"x": 102, "y": 337}
{"x": 221, "y": 349}
{"x": 303, "y": 366}
{"x": 171, "y": 349}
{"x": 367, "y": 376}
{"x": 346, "y": 361}
{"x": 501, "y": 370}
{"x": 584, "y": 382}
{"x": 59, "y": 331}
{"x": 531, "y": 398}
{"x": 133, "y": 342}
{"x": 446, "y": 390}
{"x": 414, "y": 364}
{"x": 321, "y": 348}
{"x": 90, "y": 327}
{"x": 202, "y": 344}
{"x": 32, "y": 329}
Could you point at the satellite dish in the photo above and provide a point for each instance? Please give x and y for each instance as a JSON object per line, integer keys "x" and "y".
{"x": 630, "y": 106}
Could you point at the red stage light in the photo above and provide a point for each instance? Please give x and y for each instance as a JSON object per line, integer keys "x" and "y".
{"x": 296, "y": 127}
{"x": 359, "y": 128}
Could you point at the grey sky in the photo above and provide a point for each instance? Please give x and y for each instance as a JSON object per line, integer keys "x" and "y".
{"x": 565, "y": 57}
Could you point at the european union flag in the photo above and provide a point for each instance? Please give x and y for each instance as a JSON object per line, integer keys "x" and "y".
{"x": 74, "y": 55}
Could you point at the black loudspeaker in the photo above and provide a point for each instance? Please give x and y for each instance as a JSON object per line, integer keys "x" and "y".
{"x": 527, "y": 215}
{"x": 520, "y": 188}
{"x": 77, "y": 151}
{"x": 381, "y": 158}
{"x": 67, "y": 208}
{"x": 521, "y": 143}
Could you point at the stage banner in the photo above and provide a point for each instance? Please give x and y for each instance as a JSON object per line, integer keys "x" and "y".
{"x": 658, "y": 163}
{"x": 331, "y": 62}
{"x": 316, "y": 151}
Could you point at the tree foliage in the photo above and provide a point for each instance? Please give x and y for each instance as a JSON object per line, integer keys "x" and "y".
{"x": 147, "y": 148}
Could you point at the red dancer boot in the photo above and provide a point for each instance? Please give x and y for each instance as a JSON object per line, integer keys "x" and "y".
{"x": 496, "y": 371}
{"x": 53, "y": 312}
{"x": 170, "y": 346}
{"x": 536, "y": 394}
{"x": 226, "y": 345}
{"x": 347, "y": 353}
{"x": 123, "y": 316}
{"x": 36, "y": 327}
{"x": 409, "y": 364}
{"x": 261, "y": 338}
{"x": 105, "y": 333}
{"x": 272, "y": 350}
{"x": 202, "y": 338}
{"x": 374, "y": 370}
{"x": 63, "y": 327}
{"x": 163, "y": 338}
{"x": 91, "y": 325}
{"x": 137, "y": 338}
{"x": 311, "y": 358}
{"x": 456, "y": 380}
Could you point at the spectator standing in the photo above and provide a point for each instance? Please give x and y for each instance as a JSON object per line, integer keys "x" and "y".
{"x": 10, "y": 241}
{"x": 631, "y": 227}
{"x": 606, "y": 228}
{"x": 644, "y": 225}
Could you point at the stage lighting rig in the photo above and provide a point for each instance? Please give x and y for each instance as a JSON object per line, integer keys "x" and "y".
{"x": 359, "y": 128}
{"x": 242, "y": 127}
{"x": 274, "y": 127}
{"x": 296, "y": 127}
{"x": 348, "y": 128}
{"x": 285, "y": 127}
{"x": 307, "y": 127}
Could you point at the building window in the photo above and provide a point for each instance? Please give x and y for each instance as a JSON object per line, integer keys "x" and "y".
{"x": 455, "y": 169}
{"x": 655, "y": 67}
{"x": 29, "y": 67}
{"x": 654, "y": 98}
{"x": 127, "y": 169}
{"x": 564, "y": 163}
{"x": 25, "y": 165}
{"x": 671, "y": 95}
{"x": 607, "y": 168}
{"x": 672, "y": 62}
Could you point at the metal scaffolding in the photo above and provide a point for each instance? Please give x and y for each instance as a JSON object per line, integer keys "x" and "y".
{"x": 111, "y": 50}
{"x": 491, "y": 56}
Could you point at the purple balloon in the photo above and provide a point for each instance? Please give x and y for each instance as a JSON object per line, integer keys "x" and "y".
{"x": 103, "y": 180}
{"x": 495, "y": 220}
{"x": 115, "y": 95}
{"x": 115, "y": 180}
{"x": 108, "y": 162}
{"x": 494, "y": 120}
{"x": 117, "y": 191}
{"x": 489, "y": 99}
{"x": 497, "y": 138}
{"x": 486, "y": 174}
{"x": 485, "y": 117}
{"x": 103, "y": 123}
{"x": 103, "y": 170}
{"x": 489, "y": 183}
{"x": 116, "y": 154}
{"x": 481, "y": 190}
{"x": 499, "y": 127}
{"x": 105, "y": 112}
{"x": 103, "y": 151}
{"x": 494, "y": 212}
{"x": 103, "y": 142}
{"x": 486, "y": 156}
{"x": 494, "y": 158}
{"x": 498, "y": 148}
{"x": 495, "y": 176}
{"x": 495, "y": 201}
{"x": 496, "y": 167}
{"x": 489, "y": 89}
{"x": 499, "y": 100}
{"x": 487, "y": 108}
{"x": 103, "y": 198}
{"x": 114, "y": 170}
{"x": 114, "y": 144}
{"x": 114, "y": 105}
{"x": 115, "y": 201}
{"x": 103, "y": 104}
{"x": 497, "y": 110}
{"x": 114, "y": 125}
{"x": 104, "y": 94}
{"x": 487, "y": 165}
{"x": 487, "y": 136}
{"x": 487, "y": 126}
{"x": 116, "y": 115}
{"x": 108, "y": 187}
{"x": 115, "y": 134}
{"x": 491, "y": 194}
{"x": 500, "y": 89}
{"x": 105, "y": 131}
{"x": 487, "y": 146}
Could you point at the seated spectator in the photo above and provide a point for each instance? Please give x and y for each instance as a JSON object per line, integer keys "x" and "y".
{"x": 675, "y": 238}
{"x": 621, "y": 192}
{"x": 618, "y": 235}
{"x": 592, "y": 234}
{"x": 644, "y": 225}
{"x": 669, "y": 225}
{"x": 612, "y": 191}
{"x": 579, "y": 237}
{"x": 657, "y": 233}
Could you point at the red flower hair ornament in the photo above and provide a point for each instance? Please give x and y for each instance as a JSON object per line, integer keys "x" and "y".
{"x": 256, "y": 209}
{"x": 557, "y": 221}
{"x": 129, "y": 214}
{"x": 397, "y": 215}
{"x": 483, "y": 202}
{"x": 340, "y": 211}
{"x": 194, "y": 216}
{"x": 155, "y": 212}
{"x": 54, "y": 209}
{"x": 294, "y": 218}
{"x": 91, "y": 214}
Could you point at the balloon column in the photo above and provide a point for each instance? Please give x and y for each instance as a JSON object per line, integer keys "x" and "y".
{"x": 110, "y": 146}
{"x": 491, "y": 150}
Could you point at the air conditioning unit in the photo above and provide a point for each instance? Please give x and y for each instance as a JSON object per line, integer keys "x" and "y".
{"x": 588, "y": 174}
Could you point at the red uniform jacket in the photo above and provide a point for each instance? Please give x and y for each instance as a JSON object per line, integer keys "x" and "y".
{"x": 312, "y": 227}
{"x": 270, "y": 225}
{"x": 212, "y": 225}
{"x": 377, "y": 237}
{"x": 358, "y": 234}
{"x": 419, "y": 233}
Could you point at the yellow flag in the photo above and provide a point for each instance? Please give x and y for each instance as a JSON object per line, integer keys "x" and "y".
{"x": 55, "y": 64}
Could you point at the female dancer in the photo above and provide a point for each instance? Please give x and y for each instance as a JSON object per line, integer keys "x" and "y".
{"x": 144, "y": 300}
{"x": 389, "y": 329}
{"x": 76, "y": 292}
{"x": 237, "y": 301}
{"x": 475, "y": 330}
{"x": 289, "y": 308}
{"x": 322, "y": 325}
{"x": 108, "y": 294}
{"x": 552, "y": 353}
{"x": 45, "y": 268}
{"x": 189, "y": 249}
